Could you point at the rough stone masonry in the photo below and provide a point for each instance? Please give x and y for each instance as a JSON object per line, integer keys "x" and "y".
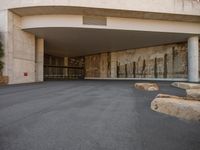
{"x": 166, "y": 61}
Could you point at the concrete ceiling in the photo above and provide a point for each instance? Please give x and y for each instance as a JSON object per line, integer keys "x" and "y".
{"x": 79, "y": 41}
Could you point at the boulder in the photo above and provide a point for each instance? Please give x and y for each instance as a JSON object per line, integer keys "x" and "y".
{"x": 184, "y": 85}
{"x": 3, "y": 80}
{"x": 193, "y": 94}
{"x": 177, "y": 107}
{"x": 147, "y": 86}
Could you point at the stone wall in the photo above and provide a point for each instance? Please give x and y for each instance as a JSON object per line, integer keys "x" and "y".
{"x": 92, "y": 66}
{"x": 167, "y": 61}
{"x": 98, "y": 65}
{"x": 105, "y": 65}
{"x": 76, "y": 62}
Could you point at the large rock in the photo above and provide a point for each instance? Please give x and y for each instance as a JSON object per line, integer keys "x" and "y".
{"x": 147, "y": 86}
{"x": 177, "y": 106}
{"x": 3, "y": 80}
{"x": 193, "y": 94}
{"x": 184, "y": 85}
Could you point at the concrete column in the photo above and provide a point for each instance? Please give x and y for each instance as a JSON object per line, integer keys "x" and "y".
{"x": 66, "y": 64}
{"x": 193, "y": 59}
{"x": 113, "y": 65}
{"x": 103, "y": 65}
{"x": 39, "y": 58}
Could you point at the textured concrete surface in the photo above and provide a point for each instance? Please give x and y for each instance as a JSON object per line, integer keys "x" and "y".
{"x": 90, "y": 115}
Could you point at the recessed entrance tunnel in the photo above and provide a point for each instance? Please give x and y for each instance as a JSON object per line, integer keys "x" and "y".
{"x": 86, "y": 53}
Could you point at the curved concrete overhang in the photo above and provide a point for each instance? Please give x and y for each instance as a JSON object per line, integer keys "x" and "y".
{"x": 114, "y": 23}
{"x": 126, "y": 26}
{"x": 180, "y": 7}
{"x": 67, "y": 35}
{"x": 53, "y": 10}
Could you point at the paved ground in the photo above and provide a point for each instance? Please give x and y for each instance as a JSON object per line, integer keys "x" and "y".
{"x": 90, "y": 115}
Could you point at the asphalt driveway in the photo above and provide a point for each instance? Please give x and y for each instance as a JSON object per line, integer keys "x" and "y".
{"x": 90, "y": 115}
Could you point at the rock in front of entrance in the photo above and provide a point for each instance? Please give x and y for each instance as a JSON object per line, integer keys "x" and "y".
{"x": 193, "y": 94}
{"x": 177, "y": 106}
{"x": 3, "y": 80}
{"x": 147, "y": 86}
{"x": 186, "y": 86}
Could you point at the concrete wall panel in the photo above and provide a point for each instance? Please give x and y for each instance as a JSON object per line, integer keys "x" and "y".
{"x": 23, "y": 52}
{"x": 39, "y": 60}
{"x": 19, "y": 49}
{"x": 24, "y": 71}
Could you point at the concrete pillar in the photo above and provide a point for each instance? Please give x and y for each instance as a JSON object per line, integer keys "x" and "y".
{"x": 193, "y": 59}
{"x": 103, "y": 65}
{"x": 113, "y": 65}
{"x": 66, "y": 64}
{"x": 39, "y": 60}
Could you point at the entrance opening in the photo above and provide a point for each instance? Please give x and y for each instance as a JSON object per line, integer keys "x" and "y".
{"x": 63, "y": 72}
{"x": 79, "y": 53}
{"x": 63, "y": 68}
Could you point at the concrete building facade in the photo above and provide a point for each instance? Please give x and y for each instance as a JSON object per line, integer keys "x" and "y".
{"x": 123, "y": 39}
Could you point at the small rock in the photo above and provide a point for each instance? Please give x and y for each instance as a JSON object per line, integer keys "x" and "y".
{"x": 193, "y": 94}
{"x": 184, "y": 85}
{"x": 147, "y": 86}
{"x": 177, "y": 106}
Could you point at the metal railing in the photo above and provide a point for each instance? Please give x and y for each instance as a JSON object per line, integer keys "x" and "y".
{"x": 52, "y": 72}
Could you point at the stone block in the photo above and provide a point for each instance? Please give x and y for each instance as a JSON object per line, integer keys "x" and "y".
{"x": 177, "y": 106}
{"x": 3, "y": 80}
{"x": 193, "y": 94}
{"x": 184, "y": 85}
{"x": 147, "y": 86}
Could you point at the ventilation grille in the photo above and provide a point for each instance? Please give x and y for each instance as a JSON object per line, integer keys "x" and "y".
{"x": 95, "y": 20}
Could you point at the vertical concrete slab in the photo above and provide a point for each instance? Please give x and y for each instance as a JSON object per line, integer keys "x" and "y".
{"x": 22, "y": 65}
{"x": 39, "y": 57}
{"x": 104, "y": 65}
{"x": 92, "y": 66}
{"x": 193, "y": 59}
{"x": 6, "y": 37}
{"x": 113, "y": 65}
{"x": 66, "y": 60}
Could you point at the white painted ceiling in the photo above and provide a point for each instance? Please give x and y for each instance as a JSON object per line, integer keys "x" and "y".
{"x": 80, "y": 42}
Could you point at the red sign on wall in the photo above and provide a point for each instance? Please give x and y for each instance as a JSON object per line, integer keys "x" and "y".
{"x": 25, "y": 74}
